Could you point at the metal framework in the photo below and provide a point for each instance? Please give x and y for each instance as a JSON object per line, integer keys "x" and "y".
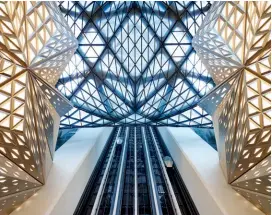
{"x": 234, "y": 43}
{"x": 135, "y": 64}
{"x": 35, "y": 45}
{"x": 132, "y": 177}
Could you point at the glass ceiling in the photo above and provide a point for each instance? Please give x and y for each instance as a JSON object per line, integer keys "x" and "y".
{"x": 135, "y": 64}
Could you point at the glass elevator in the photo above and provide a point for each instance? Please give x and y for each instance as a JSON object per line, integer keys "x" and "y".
{"x": 135, "y": 175}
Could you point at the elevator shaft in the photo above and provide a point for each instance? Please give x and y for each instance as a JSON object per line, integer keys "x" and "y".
{"x": 131, "y": 177}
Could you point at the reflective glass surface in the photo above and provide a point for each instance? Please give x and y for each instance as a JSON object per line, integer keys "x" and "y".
{"x": 135, "y": 64}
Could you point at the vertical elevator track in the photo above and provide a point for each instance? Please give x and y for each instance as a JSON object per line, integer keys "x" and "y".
{"x": 131, "y": 178}
{"x": 128, "y": 191}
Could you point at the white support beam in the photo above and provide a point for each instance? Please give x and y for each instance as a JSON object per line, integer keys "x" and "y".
{"x": 198, "y": 164}
{"x": 165, "y": 175}
{"x": 121, "y": 175}
{"x": 150, "y": 173}
{"x": 73, "y": 165}
{"x": 104, "y": 178}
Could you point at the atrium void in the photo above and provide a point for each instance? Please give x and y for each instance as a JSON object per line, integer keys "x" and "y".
{"x": 135, "y": 107}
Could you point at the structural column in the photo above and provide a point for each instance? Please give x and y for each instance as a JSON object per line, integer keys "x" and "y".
{"x": 165, "y": 175}
{"x": 104, "y": 179}
{"x": 135, "y": 176}
{"x": 156, "y": 206}
{"x": 120, "y": 180}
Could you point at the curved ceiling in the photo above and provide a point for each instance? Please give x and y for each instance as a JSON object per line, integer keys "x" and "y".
{"x": 135, "y": 64}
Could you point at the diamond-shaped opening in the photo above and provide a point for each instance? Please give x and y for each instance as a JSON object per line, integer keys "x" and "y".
{"x": 135, "y": 44}
{"x": 138, "y": 58}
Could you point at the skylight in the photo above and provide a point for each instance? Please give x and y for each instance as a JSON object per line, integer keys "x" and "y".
{"x": 135, "y": 64}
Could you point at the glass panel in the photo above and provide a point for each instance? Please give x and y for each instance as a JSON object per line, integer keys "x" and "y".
{"x": 135, "y": 63}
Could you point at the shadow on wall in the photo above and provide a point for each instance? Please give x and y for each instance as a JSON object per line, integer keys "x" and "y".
{"x": 207, "y": 135}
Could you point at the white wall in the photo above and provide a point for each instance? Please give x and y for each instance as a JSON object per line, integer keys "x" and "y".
{"x": 198, "y": 164}
{"x": 70, "y": 172}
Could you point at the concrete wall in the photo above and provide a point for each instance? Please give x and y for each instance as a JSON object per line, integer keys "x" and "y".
{"x": 198, "y": 164}
{"x": 70, "y": 172}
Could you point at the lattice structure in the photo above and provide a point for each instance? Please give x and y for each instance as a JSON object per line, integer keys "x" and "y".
{"x": 135, "y": 64}
{"x": 255, "y": 185}
{"x": 234, "y": 34}
{"x": 234, "y": 44}
{"x": 35, "y": 46}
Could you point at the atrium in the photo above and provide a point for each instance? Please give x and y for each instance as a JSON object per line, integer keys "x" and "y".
{"x": 135, "y": 107}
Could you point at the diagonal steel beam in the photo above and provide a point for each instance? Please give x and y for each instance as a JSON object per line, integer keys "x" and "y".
{"x": 107, "y": 47}
{"x": 86, "y": 78}
{"x": 99, "y": 58}
{"x": 177, "y": 68}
